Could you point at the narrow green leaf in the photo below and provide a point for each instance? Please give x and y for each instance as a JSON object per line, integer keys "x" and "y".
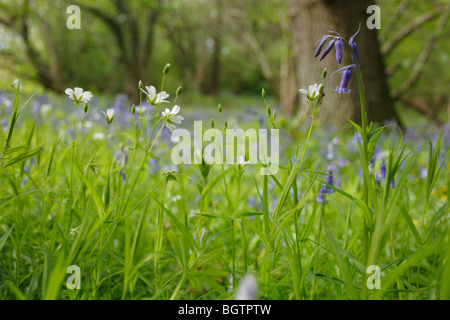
{"x": 5, "y": 237}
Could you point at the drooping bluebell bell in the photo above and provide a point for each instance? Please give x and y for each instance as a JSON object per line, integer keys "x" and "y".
{"x": 330, "y": 181}
{"x": 346, "y": 75}
{"x": 339, "y": 49}
{"x": 321, "y": 197}
{"x": 378, "y": 180}
{"x": 393, "y": 184}
{"x": 321, "y": 43}
{"x": 338, "y": 42}
{"x": 372, "y": 161}
{"x": 383, "y": 170}
{"x": 355, "y": 49}
{"x": 354, "y": 46}
{"x": 328, "y": 49}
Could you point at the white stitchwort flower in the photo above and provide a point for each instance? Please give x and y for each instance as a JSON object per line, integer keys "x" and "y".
{"x": 109, "y": 115}
{"x": 247, "y": 289}
{"x": 241, "y": 161}
{"x": 15, "y": 83}
{"x": 172, "y": 117}
{"x": 78, "y": 95}
{"x": 153, "y": 97}
{"x": 313, "y": 91}
{"x": 98, "y": 136}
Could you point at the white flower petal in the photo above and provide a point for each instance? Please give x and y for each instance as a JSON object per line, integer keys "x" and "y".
{"x": 171, "y": 127}
{"x": 176, "y": 119}
{"x": 175, "y": 110}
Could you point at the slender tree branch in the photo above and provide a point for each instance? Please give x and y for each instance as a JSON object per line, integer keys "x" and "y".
{"x": 425, "y": 54}
{"x": 389, "y": 25}
{"x": 390, "y": 70}
{"x": 422, "y": 107}
{"x": 407, "y": 30}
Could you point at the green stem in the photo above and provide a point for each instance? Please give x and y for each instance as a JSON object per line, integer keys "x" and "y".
{"x": 366, "y": 175}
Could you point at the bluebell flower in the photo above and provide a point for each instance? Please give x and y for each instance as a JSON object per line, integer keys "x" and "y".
{"x": 321, "y": 42}
{"x": 378, "y": 180}
{"x": 119, "y": 155}
{"x": 330, "y": 181}
{"x": 321, "y": 197}
{"x": 423, "y": 172}
{"x": 328, "y": 49}
{"x": 393, "y": 185}
{"x": 372, "y": 161}
{"x": 346, "y": 75}
{"x": 355, "y": 49}
{"x": 352, "y": 43}
{"x": 124, "y": 177}
{"x": 338, "y": 42}
{"x": 383, "y": 170}
{"x": 153, "y": 165}
{"x": 339, "y": 49}
{"x": 376, "y": 154}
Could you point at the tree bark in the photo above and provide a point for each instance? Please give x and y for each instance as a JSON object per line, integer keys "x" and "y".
{"x": 312, "y": 19}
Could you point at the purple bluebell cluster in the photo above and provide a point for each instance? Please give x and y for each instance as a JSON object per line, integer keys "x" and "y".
{"x": 153, "y": 165}
{"x": 337, "y": 42}
{"x": 326, "y": 189}
{"x": 321, "y": 196}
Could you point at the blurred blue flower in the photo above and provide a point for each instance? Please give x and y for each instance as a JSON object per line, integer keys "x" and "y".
{"x": 383, "y": 170}
{"x": 124, "y": 177}
{"x": 330, "y": 181}
{"x": 321, "y": 197}
{"x": 393, "y": 184}
{"x": 153, "y": 165}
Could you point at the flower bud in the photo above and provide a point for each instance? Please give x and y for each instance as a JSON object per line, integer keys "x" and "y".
{"x": 263, "y": 94}
{"x": 274, "y": 114}
{"x": 219, "y": 108}
{"x": 166, "y": 68}
{"x": 179, "y": 91}
{"x": 339, "y": 48}
{"x": 109, "y": 115}
{"x": 226, "y": 124}
{"x": 86, "y": 108}
{"x": 133, "y": 109}
{"x": 320, "y": 46}
{"x": 212, "y": 123}
{"x": 328, "y": 49}
{"x": 324, "y": 73}
{"x": 140, "y": 85}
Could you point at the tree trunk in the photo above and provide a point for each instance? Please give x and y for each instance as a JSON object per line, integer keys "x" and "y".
{"x": 312, "y": 19}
